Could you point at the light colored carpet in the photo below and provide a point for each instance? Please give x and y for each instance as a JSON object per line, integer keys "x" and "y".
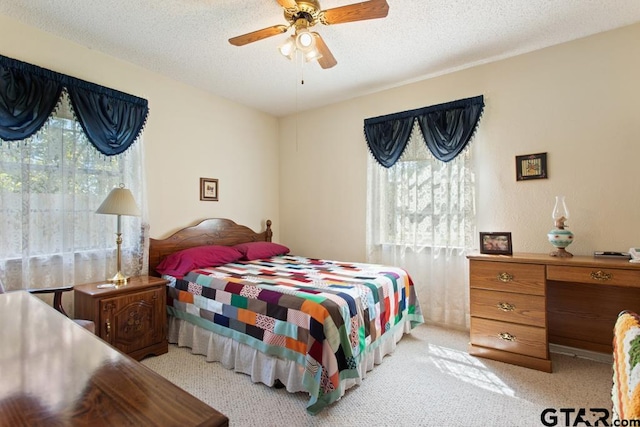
{"x": 429, "y": 380}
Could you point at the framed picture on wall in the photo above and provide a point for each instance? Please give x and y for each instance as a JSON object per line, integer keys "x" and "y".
{"x": 495, "y": 243}
{"x": 209, "y": 189}
{"x": 531, "y": 166}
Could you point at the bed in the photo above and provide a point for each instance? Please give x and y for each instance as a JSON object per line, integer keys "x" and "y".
{"x": 309, "y": 325}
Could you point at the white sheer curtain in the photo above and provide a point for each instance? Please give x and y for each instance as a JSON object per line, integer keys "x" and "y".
{"x": 421, "y": 217}
{"x": 50, "y": 187}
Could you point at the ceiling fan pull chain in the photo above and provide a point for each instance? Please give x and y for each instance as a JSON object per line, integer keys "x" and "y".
{"x": 300, "y": 60}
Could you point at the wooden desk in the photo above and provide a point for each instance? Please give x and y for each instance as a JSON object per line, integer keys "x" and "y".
{"x": 54, "y": 372}
{"x": 521, "y": 303}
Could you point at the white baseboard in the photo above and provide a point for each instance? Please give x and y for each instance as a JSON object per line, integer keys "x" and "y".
{"x": 577, "y": 352}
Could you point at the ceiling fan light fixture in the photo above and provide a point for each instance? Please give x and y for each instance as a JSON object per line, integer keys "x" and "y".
{"x": 305, "y": 40}
{"x": 288, "y": 48}
{"x": 312, "y": 55}
{"x": 304, "y": 14}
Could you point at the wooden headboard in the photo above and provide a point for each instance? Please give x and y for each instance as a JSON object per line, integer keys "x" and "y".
{"x": 214, "y": 231}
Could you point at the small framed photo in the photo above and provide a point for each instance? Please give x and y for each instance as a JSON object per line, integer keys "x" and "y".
{"x": 531, "y": 166}
{"x": 495, "y": 243}
{"x": 209, "y": 189}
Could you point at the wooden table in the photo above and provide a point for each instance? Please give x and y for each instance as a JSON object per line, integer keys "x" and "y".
{"x": 54, "y": 372}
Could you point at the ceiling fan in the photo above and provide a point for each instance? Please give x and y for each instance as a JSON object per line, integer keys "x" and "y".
{"x": 304, "y": 14}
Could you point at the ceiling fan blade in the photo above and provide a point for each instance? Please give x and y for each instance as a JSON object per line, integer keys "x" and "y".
{"x": 327, "y": 60}
{"x": 372, "y": 9}
{"x": 258, "y": 35}
{"x": 287, "y": 4}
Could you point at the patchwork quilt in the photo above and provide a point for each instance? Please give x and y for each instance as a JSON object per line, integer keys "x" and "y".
{"x": 626, "y": 367}
{"x": 324, "y": 315}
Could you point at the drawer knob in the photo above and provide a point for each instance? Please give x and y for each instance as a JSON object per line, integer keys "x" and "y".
{"x": 601, "y": 275}
{"x": 506, "y": 336}
{"x": 505, "y": 277}
{"x": 505, "y": 306}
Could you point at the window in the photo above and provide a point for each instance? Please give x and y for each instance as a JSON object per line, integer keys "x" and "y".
{"x": 421, "y": 201}
{"x": 421, "y": 217}
{"x": 50, "y": 187}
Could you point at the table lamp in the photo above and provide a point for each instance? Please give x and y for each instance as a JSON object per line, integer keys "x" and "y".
{"x": 119, "y": 202}
{"x": 560, "y": 237}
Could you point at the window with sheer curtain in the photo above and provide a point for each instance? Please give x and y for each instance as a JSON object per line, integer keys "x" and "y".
{"x": 421, "y": 216}
{"x": 50, "y": 187}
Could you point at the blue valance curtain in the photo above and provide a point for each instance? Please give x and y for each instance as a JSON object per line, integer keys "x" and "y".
{"x": 446, "y": 128}
{"x": 112, "y": 120}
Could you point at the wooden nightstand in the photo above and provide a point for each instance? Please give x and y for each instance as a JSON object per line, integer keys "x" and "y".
{"x": 132, "y": 318}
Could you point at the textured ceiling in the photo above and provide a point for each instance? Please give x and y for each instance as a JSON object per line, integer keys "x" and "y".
{"x": 187, "y": 41}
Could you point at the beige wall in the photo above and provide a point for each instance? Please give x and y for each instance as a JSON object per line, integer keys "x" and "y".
{"x": 578, "y": 101}
{"x": 189, "y": 134}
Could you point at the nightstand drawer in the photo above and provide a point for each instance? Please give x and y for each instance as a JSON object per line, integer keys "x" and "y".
{"x": 511, "y": 337}
{"x": 597, "y": 275}
{"x": 508, "y": 277}
{"x": 509, "y": 307}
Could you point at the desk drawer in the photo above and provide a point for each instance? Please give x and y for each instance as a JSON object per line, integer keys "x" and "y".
{"x": 596, "y": 275}
{"x": 507, "y": 277}
{"x": 520, "y": 339}
{"x": 509, "y": 307}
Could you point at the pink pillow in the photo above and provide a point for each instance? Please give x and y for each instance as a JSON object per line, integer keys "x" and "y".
{"x": 258, "y": 250}
{"x": 180, "y": 263}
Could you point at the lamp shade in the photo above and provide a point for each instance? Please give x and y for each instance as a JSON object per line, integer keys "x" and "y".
{"x": 305, "y": 40}
{"x": 312, "y": 55}
{"x": 120, "y": 201}
{"x": 288, "y": 48}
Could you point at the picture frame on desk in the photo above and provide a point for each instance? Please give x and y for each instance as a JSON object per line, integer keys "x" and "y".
{"x": 496, "y": 243}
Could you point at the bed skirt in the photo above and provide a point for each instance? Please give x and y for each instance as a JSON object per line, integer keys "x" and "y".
{"x": 265, "y": 368}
